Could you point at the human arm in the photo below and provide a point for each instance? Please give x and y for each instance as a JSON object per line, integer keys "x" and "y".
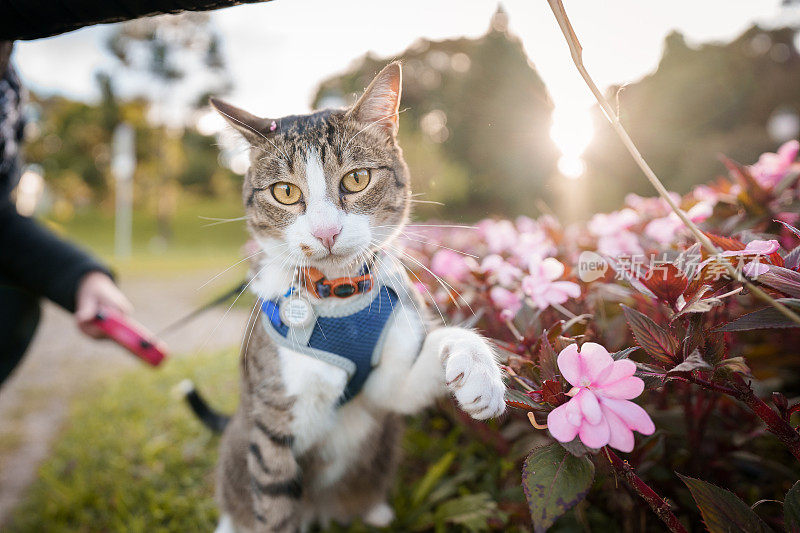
{"x": 34, "y": 19}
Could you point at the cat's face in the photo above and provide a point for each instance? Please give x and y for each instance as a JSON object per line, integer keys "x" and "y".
{"x": 328, "y": 188}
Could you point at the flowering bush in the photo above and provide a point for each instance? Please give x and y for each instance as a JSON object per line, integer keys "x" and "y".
{"x": 623, "y": 325}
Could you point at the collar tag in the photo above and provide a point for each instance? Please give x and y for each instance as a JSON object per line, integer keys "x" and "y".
{"x": 296, "y": 312}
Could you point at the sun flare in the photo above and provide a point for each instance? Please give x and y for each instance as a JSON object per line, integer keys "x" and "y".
{"x": 572, "y": 132}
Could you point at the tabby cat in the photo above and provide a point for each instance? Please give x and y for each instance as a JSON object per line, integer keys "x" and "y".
{"x": 340, "y": 347}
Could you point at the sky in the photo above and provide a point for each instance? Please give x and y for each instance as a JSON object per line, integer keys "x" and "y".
{"x": 277, "y": 52}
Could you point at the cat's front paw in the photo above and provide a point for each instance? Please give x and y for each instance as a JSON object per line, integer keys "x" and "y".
{"x": 473, "y": 375}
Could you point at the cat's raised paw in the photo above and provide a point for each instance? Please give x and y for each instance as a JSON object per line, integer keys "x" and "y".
{"x": 473, "y": 375}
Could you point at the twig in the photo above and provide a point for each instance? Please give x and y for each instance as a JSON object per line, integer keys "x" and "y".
{"x": 577, "y": 57}
{"x": 659, "y": 506}
{"x": 776, "y": 424}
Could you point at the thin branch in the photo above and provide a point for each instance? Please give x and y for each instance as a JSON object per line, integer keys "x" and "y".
{"x": 743, "y": 392}
{"x": 577, "y": 57}
{"x": 658, "y": 505}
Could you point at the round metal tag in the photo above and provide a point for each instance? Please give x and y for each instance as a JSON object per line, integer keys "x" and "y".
{"x": 296, "y": 312}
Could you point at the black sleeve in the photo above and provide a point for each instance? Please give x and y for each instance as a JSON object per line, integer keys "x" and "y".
{"x": 32, "y": 19}
{"x": 38, "y": 260}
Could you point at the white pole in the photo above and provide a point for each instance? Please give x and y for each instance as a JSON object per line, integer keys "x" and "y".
{"x": 123, "y": 165}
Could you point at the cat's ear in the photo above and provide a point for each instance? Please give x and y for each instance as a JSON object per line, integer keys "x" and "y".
{"x": 252, "y": 128}
{"x": 380, "y": 102}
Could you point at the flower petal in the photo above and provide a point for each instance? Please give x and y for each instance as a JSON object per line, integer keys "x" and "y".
{"x": 594, "y": 435}
{"x": 625, "y": 389}
{"x": 634, "y": 416}
{"x": 589, "y": 406}
{"x": 552, "y": 268}
{"x": 558, "y": 425}
{"x": 573, "y": 412}
{"x": 594, "y": 360}
{"x": 762, "y": 247}
{"x": 788, "y": 151}
{"x": 571, "y": 289}
{"x": 569, "y": 364}
{"x": 620, "y": 437}
{"x": 616, "y": 371}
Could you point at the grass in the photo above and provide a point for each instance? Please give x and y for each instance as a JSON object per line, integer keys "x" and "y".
{"x": 133, "y": 458}
{"x": 196, "y": 243}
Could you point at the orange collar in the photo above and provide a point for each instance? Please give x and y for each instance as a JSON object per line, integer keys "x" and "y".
{"x": 317, "y": 284}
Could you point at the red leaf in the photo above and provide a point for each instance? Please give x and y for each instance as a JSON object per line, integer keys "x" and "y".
{"x": 553, "y": 393}
{"x": 651, "y": 337}
{"x": 729, "y": 244}
{"x": 742, "y": 174}
{"x": 666, "y": 282}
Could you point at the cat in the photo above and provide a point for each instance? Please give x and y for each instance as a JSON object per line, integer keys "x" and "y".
{"x": 341, "y": 346}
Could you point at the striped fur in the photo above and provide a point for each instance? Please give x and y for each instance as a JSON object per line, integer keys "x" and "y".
{"x": 291, "y": 456}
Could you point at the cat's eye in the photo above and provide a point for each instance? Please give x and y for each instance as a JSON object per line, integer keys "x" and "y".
{"x": 356, "y": 180}
{"x": 286, "y": 193}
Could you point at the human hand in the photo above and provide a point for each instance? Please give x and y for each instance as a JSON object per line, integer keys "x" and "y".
{"x": 97, "y": 290}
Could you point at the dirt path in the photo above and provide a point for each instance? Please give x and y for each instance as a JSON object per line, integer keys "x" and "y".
{"x": 35, "y": 400}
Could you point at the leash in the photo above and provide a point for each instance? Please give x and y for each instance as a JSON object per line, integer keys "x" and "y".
{"x": 222, "y": 298}
{"x": 136, "y": 339}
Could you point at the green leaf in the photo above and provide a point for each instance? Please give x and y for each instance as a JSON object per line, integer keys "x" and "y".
{"x": 471, "y": 511}
{"x": 722, "y": 511}
{"x": 654, "y": 339}
{"x": 791, "y": 509}
{"x": 431, "y": 477}
{"x": 554, "y": 481}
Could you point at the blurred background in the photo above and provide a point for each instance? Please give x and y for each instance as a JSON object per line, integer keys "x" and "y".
{"x": 495, "y": 121}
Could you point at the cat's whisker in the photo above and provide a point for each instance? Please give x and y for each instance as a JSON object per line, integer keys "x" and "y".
{"x": 402, "y": 283}
{"x": 432, "y": 202}
{"x": 430, "y": 295}
{"x": 446, "y": 226}
{"x": 405, "y": 236}
{"x": 227, "y": 312}
{"x": 445, "y": 285}
{"x": 218, "y": 221}
{"x": 260, "y": 251}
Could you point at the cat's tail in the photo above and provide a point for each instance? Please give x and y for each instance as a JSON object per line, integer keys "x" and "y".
{"x": 210, "y": 418}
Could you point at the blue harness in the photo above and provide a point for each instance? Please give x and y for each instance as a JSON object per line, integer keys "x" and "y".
{"x": 352, "y": 342}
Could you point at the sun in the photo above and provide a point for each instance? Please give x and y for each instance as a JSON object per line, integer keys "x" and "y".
{"x": 572, "y": 132}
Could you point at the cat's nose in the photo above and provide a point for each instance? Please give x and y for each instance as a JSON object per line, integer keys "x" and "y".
{"x": 327, "y": 235}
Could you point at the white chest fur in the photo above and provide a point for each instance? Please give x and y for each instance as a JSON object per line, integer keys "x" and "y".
{"x": 317, "y": 386}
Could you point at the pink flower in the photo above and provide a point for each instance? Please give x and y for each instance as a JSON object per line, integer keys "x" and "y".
{"x": 772, "y": 168}
{"x": 614, "y": 222}
{"x": 541, "y": 286}
{"x": 500, "y": 235}
{"x": 526, "y": 224}
{"x": 622, "y": 243}
{"x": 599, "y": 411}
{"x": 535, "y": 243}
{"x": 755, "y": 248}
{"x": 704, "y": 193}
{"x": 651, "y": 207}
{"x": 505, "y": 273}
{"x": 755, "y": 268}
{"x": 449, "y": 264}
{"x": 664, "y": 230}
{"x": 509, "y": 302}
{"x": 420, "y": 287}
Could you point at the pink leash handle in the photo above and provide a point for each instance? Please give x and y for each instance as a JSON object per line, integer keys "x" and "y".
{"x": 131, "y": 336}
